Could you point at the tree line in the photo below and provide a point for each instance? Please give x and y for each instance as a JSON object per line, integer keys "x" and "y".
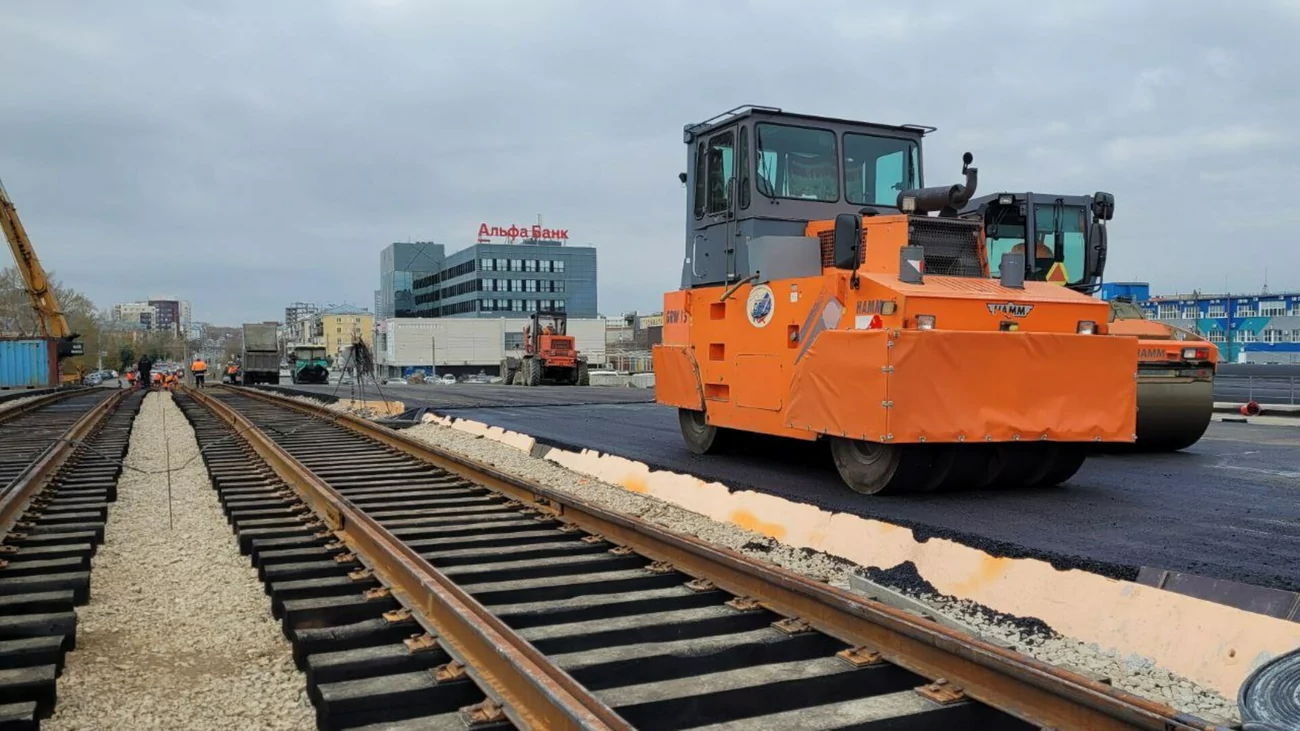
{"x": 121, "y": 348}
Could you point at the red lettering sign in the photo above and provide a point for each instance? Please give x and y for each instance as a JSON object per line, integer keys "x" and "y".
{"x": 513, "y": 232}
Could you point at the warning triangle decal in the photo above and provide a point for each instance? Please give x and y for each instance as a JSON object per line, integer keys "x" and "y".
{"x": 1057, "y": 274}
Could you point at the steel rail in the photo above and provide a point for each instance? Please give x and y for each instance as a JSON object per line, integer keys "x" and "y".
{"x": 15, "y": 497}
{"x": 1022, "y": 686}
{"x": 40, "y": 402}
{"x": 531, "y": 690}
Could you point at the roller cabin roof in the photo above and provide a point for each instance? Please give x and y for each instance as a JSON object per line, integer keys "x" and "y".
{"x": 775, "y": 114}
{"x": 759, "y": 172}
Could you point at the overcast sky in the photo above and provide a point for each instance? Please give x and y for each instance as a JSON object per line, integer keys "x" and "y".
{"x": 244, "y": 155}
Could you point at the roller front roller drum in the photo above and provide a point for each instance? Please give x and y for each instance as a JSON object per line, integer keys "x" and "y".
{"x": 1173, "y": 413}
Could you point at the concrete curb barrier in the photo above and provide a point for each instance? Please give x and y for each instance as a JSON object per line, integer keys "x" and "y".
{"x": 1212, "y": 644}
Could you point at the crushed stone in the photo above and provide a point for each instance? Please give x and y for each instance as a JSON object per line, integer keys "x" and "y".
{"x": 16, "y": 402}
{"x": 1035, "y": 638}
{"x": 178, "y": 633}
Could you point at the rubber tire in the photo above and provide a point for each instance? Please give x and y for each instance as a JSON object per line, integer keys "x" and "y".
{"x": 700, "y": 436}
{"x": 532, "y": 372}
{"x": 1023, "y": 464}
{"x": 1069, "y": 459}
{"x": 970, "y": 468}
{"x": 584, "y": 376}
{"x": 872, "y": 468}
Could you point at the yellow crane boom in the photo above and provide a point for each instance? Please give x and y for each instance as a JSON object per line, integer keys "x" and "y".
{"x": 52, "y": 321}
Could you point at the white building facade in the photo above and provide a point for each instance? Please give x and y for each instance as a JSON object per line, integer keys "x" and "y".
{"x": 467, "y": 346}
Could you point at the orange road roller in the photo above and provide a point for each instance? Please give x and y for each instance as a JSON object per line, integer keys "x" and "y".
{"x": 820, "y": 299}
{"x": 1176, "y": 367}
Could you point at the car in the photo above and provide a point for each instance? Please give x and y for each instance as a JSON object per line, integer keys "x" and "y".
{"x": 395, "y": 382}
{"x": 448, "y": 379}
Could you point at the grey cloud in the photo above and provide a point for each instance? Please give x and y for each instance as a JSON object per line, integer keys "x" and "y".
{"x": 249, "y": 154}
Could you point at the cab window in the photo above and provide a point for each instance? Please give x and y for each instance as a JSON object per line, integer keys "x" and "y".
{"x": 877, "y": 169}
{"x": 720, "y": 152}
{"x": 1071, "y": 250}
{"x": 1010, "y": 236}
{"x": 796, "y": 162}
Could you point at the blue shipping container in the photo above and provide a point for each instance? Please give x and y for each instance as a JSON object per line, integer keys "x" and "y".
{"x": 25, "y": 364}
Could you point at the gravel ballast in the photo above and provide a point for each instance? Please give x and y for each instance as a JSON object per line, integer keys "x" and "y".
{"x": 1029, "y": 635}
{"x": 178, "y": 633}
{"x": 16, "y": 402}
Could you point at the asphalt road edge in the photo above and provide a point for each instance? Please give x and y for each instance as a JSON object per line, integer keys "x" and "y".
{"x": 1118, "y": 615}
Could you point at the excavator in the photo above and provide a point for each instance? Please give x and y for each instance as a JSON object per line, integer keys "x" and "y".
{"x": 820, "y": 300}
{"x": 52, "y": 322}
{"x": 1176, "y": 367}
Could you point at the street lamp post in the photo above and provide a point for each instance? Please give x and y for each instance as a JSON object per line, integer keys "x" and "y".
{"x": 433, "y": 354}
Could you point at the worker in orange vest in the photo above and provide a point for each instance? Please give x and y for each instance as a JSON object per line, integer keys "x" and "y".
{"x": 155, "y": 379}
{"x": 199, "y": 369}
{"x": 231, "y": 370}
{"x": 130, "y": 379}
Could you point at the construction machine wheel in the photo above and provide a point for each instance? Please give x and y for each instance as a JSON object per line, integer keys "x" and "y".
{"x": 584, "y": 376}
{"x": 970, "y": 467}
{"x": 1069, "y": 458}
{"x": 872, "y": 468}
{"x": 1021, "y": 464}
{"x": 532, "y": 372}
{"x": 700, "y": 436}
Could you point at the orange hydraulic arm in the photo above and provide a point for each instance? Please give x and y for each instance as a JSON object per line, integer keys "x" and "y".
{"x": 52, "y": 321}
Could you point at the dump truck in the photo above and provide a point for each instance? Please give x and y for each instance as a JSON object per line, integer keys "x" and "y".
{"x": 1176, "y": 367}
{"x": 309, "y": 365}
{"x": 550, "y": 355}
{"x": 261, "y": 358}
{"x": 821, "y": 300}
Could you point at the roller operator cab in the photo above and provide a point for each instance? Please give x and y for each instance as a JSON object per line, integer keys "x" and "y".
{"x": 819, "y": 300}
{"x": 1176, "y": 367}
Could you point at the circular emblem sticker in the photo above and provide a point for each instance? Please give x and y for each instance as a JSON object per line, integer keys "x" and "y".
{"x": 758, "y": 308}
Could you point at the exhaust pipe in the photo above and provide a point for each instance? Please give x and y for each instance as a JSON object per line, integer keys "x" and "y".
{"x": 947, "y": 200}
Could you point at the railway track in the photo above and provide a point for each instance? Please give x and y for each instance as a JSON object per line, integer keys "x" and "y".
{"x": 60, "y": 460}
{"x": 423, "y": 591}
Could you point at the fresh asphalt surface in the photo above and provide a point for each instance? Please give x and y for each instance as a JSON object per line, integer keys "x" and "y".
{"x": 1227, "y": 508}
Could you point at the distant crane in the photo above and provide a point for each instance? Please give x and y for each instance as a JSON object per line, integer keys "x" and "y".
{"x": 49, "y": 315}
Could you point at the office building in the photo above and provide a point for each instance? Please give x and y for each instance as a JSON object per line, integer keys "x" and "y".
{"x": 1247, "y": 328}
{"x": 510, "y": 280}
{"x": 400, "y": 264}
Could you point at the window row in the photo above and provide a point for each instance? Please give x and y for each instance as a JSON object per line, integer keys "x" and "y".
{"x": 1269, "y": 335}
{"x": 459, "y": 270}
{"x": 1219, "y": 311}
{"x": 522, "y": 285}
{"x": 521, "y": 265}
{"x": 502, "y": 305}
{"x": 545, "y": 266}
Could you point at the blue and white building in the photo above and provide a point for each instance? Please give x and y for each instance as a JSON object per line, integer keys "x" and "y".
{"x": 1247, "y": 328}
